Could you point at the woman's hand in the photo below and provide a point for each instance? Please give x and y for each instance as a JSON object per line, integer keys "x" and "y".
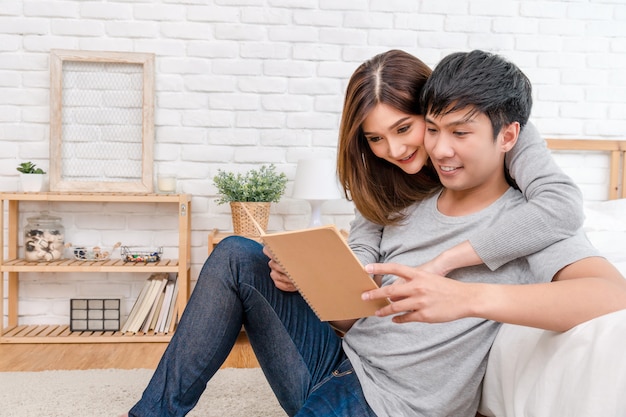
{"x": 419, "y": 295}
{"x": 277, "y": 273}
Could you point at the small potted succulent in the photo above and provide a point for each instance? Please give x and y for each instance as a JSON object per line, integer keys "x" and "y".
{"x": 257, "y": 189}
{"x": 31, "y": 177}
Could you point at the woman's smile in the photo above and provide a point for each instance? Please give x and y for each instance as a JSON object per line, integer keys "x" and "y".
{"x": 408, "y": 158}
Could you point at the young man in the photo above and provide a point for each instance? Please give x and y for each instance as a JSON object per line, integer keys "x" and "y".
{"x": 475, "y": 103}
{"x": 382, "y": 368}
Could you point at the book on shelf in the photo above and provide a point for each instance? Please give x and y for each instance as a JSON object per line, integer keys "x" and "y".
{"x": 135, "y": 308}
{"x": 147, "y": 304}
{"x": 172, "y": 315}
{"x": 325, "y": 271}
{"x": 159, "y": 326}
{"x": 157, "y": 311}
{"x": 156, "y": 305}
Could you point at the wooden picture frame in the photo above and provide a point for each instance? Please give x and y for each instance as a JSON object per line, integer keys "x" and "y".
{"x": 101, "y": 121}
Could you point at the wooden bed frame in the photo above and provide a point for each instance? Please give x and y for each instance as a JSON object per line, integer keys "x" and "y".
{"x": 617, "y": 167}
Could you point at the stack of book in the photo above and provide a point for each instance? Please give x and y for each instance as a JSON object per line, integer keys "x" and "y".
{"x": 155, "y": 309}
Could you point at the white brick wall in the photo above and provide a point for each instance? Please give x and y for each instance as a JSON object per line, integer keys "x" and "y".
{"x": 255, "y": 81}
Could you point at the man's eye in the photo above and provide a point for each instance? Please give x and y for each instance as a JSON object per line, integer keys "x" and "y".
{"x": 431, "y": 130}
{"x": 458, "y": 133}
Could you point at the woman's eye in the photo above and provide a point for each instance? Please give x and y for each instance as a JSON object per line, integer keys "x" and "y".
{"x": 374, "y": 139}
{"x": 403, "y": 129}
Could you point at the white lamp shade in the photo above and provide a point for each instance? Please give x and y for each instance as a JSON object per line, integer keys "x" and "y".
{"x": 316, "y": 179}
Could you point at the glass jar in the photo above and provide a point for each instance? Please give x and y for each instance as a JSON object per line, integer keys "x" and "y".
{"x": 44, "y": 238}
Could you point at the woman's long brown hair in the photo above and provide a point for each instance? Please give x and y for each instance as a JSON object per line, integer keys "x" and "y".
{"x": 379, "y": 189}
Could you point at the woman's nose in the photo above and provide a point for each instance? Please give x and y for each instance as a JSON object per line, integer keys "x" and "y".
{"x": 396, "y": 148}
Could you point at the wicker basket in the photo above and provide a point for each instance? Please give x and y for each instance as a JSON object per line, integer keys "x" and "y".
{"x": 242, "y": 224}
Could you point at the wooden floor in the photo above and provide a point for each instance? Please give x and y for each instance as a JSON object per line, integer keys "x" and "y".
{"x": 57, "y": 356}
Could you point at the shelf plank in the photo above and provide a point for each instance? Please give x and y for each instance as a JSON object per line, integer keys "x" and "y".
{"x": 96, "y": 197}
{"x": 70, "y": 265}
{"x": 54, "y": 333}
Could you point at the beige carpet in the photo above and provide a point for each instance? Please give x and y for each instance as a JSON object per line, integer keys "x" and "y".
{"x": 111, "y": 392}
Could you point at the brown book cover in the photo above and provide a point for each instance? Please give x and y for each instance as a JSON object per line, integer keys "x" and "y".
{"x": 325, "y": 270}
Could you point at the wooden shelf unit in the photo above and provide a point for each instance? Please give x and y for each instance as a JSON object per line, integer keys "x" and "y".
{"x": 11, "y": 266}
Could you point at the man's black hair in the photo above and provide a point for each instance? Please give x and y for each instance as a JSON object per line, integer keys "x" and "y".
{"x": 482, "y": 81}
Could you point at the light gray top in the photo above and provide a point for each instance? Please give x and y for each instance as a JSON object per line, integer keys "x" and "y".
{"x": 431, "y": 370}
{"x": 554, "y": 210}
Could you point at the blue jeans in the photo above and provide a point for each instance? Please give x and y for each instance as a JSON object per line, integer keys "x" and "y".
{"x": 301, "y": 356}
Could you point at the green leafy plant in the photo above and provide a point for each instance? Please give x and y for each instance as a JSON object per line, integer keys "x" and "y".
{"x": 262, "y": 185}
{"x": 29, "y": 168}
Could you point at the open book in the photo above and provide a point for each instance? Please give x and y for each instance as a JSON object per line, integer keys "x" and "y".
{"x": 325, "y": 271}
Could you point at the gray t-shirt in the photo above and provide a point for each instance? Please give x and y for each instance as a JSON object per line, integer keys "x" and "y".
{"x": 420, "y": 369}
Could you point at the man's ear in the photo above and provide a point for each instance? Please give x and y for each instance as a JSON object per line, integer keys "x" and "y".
{"x": 509, "y": 135}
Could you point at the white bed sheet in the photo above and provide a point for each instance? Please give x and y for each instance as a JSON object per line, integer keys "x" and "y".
{"x": 582, "y": 372}
{"x": 579, "y": 373}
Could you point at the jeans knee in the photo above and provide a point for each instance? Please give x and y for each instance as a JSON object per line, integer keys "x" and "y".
{"x": 238, "y": 246}
{"x": 235, "y": 254}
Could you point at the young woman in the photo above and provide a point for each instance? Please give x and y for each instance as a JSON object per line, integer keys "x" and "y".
{"x": 385, "y": 172}
{"x": 384, "y": 169}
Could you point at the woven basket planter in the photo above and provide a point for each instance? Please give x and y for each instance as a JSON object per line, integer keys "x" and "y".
{"x": 242, "y": 224}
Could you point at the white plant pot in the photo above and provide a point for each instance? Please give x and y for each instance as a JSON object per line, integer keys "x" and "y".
{"x": 32, "y": 182}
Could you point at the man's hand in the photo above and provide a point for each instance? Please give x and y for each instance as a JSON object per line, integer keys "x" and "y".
{"x": 277, "y": 273}
{"x": 421, "y": 296}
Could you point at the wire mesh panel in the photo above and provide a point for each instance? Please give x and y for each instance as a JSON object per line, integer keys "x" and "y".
{"x": 101, "y": 121}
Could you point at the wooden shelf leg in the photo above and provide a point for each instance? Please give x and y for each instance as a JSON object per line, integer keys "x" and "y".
{"x": 13, "y": 297}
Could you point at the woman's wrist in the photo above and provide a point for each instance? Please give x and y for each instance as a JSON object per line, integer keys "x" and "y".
{"x": 456, "y": 257}
{"x": 443, "y": 263}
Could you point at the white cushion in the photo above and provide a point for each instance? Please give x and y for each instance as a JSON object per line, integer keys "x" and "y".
{"x": 605, "y": 226}
{"x": 605, "y": 215}
{"x": 539, "y": 373}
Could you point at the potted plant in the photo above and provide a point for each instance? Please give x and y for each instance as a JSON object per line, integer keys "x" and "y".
{"x": 256, "y": 189}
{"x": 31, "y": 177}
